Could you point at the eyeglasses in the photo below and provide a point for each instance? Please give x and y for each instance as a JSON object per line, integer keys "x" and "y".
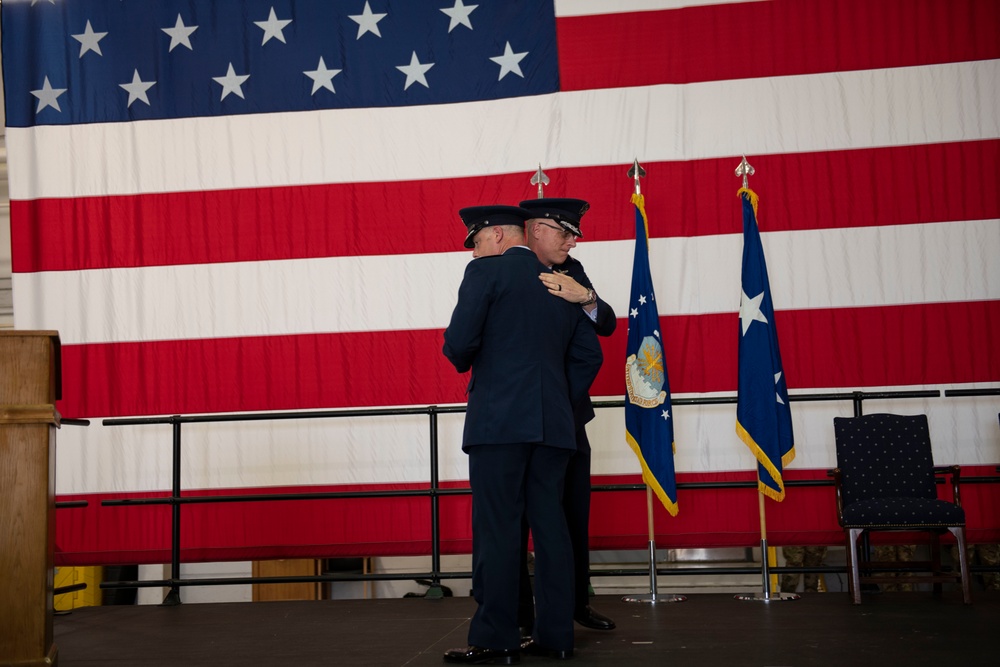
{"x": 564, "y": 233}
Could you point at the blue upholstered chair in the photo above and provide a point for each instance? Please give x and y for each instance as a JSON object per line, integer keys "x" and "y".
{"x": 885, "y": 481}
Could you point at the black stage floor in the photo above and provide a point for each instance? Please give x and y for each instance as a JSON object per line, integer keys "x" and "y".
{"x": 908, "y": 629}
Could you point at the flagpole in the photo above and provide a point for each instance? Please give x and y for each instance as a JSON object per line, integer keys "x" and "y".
{"x": 745, "y": 171}
{"x": 765, "y": 553}
{"x": 653, "y": 597}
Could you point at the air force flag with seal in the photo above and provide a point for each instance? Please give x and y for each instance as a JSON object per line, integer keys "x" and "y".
{"x": 649, "y": 423}
{"x": 763, "y": 417}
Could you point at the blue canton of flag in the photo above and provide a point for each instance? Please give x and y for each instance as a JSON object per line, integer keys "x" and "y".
{"x": 97, "y": 61}
{"x": 649, "y": 425}
{"x": 763, "y": 417}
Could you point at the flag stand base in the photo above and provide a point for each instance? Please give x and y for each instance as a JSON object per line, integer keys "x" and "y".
{"x": 653, "y": 597}
{"x": 766, "y": 595}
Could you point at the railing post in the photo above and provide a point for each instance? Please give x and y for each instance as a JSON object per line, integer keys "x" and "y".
{"x": 859, "y": 396}
{"x": 174, "y": 596}
{"x": 866, "y": 545}
{"x": 435, "y": 591}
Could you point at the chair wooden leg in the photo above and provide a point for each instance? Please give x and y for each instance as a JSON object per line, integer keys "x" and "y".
{"x": 959, "y": 533}
{"x": 854, "y": 577}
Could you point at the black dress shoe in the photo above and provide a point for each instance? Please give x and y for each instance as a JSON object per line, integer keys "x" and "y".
{"x": 531, "y": 647}
{"x": 477, "y": 655}
{"x": 589, "y": 618}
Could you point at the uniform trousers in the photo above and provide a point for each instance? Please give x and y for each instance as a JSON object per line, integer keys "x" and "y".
{"x": 510, "y": 481}
{"x": 576, "y": 505}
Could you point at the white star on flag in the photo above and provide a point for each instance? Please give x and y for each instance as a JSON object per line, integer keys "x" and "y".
{"x": 89, "y": 40}
{"x": 180, "y": 34}
{"x": 231, "y": 82}
{"x": 415, "y": 71}
{"x": 642, "y": 299}
{"x": 634, "y": 312}
{"x": 665, "y": 414}
{"x": 777, "y": 376}
{"x": 272, "y": 27}
{"x": 322, "y": 77}
{"x": 750, "y": 310}
{"x": 459, "y": 14}
{"x": 509, "y": 62}
{"x": 367, "y": 21}
{"x": 48, "y": 96}
{"x": 137, "y": 89}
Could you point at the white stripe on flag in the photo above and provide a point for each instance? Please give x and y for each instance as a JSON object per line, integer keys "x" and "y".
{"x": 566, "y": 8}
{"x": 843, "y": 110}
{"x": 339, "y": 451}
{"x": 830, "y": 268}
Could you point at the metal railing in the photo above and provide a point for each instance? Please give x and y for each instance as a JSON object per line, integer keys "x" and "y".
{"x": 434, "y": 492}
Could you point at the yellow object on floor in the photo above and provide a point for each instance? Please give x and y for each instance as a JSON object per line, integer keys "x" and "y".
{"x": 87, "y": 597}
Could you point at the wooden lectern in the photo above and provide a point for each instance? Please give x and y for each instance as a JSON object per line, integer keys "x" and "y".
{"x": 29, "y": 388}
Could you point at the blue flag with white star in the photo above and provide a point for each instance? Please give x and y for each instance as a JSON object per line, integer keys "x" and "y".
{"x": 763, "y": 417}
{"x": 649, "y": 424}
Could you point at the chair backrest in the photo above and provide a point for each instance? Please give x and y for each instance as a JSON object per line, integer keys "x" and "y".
{"x": 884, "y": 456}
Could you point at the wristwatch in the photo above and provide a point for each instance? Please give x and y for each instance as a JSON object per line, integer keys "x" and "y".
{"x": 591, "y": 298}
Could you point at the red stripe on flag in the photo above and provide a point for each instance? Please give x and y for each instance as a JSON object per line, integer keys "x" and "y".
{"x": 763, "y": 39}
{"x": 401, "y": 526}
{"x": 941, "y": 343}
{"x": 260, "y": 530}
{"x": 825, "y": 190}
{"x": 938, "y": 343}
{"x": 258, "y": 373}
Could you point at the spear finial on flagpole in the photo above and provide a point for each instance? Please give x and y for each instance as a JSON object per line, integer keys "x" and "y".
{"x": 541, "y": 180}
{"x": 744, "y": 170}
{"x": 635, "y": 173}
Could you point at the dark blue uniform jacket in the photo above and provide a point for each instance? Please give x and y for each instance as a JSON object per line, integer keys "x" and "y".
{"x": 532, "y": 355}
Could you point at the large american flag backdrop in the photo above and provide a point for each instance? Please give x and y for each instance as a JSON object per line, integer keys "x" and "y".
{"x": 245, "y": 206}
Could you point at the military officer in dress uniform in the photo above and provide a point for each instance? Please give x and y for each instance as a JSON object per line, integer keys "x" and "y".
{"x": 551, "y": 233}
{"x": 532, "y": 357}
